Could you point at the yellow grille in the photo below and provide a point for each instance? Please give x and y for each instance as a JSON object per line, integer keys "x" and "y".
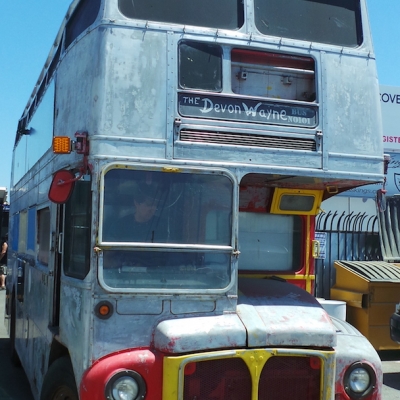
{"x": 262, "y": 374}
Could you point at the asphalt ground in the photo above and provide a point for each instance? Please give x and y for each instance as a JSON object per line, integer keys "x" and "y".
{"x": 13, "y": 382}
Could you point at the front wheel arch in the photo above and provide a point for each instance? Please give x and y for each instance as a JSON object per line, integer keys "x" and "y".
{"x": 59, "y": 382}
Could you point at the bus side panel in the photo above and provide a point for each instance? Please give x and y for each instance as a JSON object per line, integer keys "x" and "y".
{"x": 124, "y": 81}
{"x": 76, "y": 331}
{"x": 136, "y": 79}
{"x": 351, "y": 103}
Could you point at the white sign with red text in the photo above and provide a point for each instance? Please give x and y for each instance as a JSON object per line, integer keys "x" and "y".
{"x": 390, "y": 105}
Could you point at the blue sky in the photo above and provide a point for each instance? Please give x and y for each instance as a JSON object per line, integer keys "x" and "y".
{"x": 28, "y": 29}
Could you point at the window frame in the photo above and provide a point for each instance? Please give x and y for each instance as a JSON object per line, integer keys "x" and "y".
{"x": 299, "y": 255}
{"x": 193, "y": 44}
{"x": 177, "y": 19}
{"x": 166, "y": 169}
{"x": 172, "y": 247}
{"x": 43, "y": 235}
{"x": 84, "y": 15}
{"x": 70, "y": 247}
{"x": 307, "y": 36}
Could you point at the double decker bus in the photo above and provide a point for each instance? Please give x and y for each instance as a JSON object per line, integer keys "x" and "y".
{"x": 166, "y": 175}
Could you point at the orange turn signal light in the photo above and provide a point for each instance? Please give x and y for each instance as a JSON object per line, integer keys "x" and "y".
{"x": 61, "y": 145}
{"x": 104, "y": 309}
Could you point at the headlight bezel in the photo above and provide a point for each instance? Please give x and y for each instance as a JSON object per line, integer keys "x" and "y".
{"x": 129, "y": 374}
{"x": 372, "y": 380}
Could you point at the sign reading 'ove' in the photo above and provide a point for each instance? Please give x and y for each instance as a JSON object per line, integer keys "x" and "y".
{"x": 216, "y": 107}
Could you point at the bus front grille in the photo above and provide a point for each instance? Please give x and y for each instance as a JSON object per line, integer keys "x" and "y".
{"x": 253, "y": 140}
{"x": 281, "y": 378}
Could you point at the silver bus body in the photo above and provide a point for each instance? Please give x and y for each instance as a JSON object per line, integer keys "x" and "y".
{"x": 222, "y": 118}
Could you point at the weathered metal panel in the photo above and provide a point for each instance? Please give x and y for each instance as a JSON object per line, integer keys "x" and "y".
{"x": 280, "y": 314}
{"x": 76, "y": 322}
{"x": 139, "y": 306}
{"x": 352, "y": 347}
{"x": 345, "y": 87}
{"x": 200, "y": 334}
{"x": 135, "y": 69}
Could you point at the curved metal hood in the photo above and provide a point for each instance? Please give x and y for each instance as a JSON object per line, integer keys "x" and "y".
{"x": 277, "y": 313}
{"x": 269, "y": 313}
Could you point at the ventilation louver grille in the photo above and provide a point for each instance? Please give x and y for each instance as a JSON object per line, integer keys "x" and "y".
{"x": 239, "y": 139}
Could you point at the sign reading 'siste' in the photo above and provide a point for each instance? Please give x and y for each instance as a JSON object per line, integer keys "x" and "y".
{"x": 390, "y": 106}
{"x": 216, "y": 107}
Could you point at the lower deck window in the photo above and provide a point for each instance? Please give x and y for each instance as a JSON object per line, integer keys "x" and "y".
{"x": 269, "y": 242}
{"x": 165, "y": 269}
{"x": 164, "y": 230}
{"x": 43, "y": 235}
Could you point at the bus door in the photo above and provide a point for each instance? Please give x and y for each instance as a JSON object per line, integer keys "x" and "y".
{"x": 72, "y": 237}
{"x": 57, "y": 239}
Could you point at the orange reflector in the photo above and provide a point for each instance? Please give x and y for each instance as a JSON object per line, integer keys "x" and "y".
{"x": 104, "y": 310}
{"x": 61, "y": 145}
{"x": 190, "y": 368}
{"x": 315, "y": 363}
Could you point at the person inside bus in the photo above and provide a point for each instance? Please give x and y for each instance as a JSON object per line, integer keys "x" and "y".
{"x": 3, "y": 261}
{"x": 138, "y": 221}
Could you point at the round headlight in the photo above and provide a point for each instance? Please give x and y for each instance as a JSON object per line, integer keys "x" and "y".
{"x": 125, "y": 388}
{"x": 359, "y": 380}
{"x": 125, "y": 385}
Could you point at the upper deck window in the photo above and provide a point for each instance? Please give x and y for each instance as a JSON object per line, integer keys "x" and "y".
{"x": 336, "y": 22}
{"x": 84, "y": 16}
{"x": 200, "y": 66}
{"x": 223, "y": 14}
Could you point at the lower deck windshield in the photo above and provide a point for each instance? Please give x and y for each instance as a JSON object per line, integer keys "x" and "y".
{"x": 166, "y": 230}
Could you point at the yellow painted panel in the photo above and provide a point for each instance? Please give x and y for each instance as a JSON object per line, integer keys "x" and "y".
{"x": 385, "y": 292}
{"x": 359, "y": 318}
{"x": 346, "y": 279}
{"x": 380, "y": 313}
{"x": 379, "y": 336}
{"x": 353, "y": 299}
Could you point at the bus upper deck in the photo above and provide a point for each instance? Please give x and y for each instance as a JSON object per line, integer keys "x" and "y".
{"x": 260, "y": 84}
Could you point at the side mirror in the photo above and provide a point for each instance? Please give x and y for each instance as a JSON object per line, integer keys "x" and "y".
{"x": 61, "y": 186}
